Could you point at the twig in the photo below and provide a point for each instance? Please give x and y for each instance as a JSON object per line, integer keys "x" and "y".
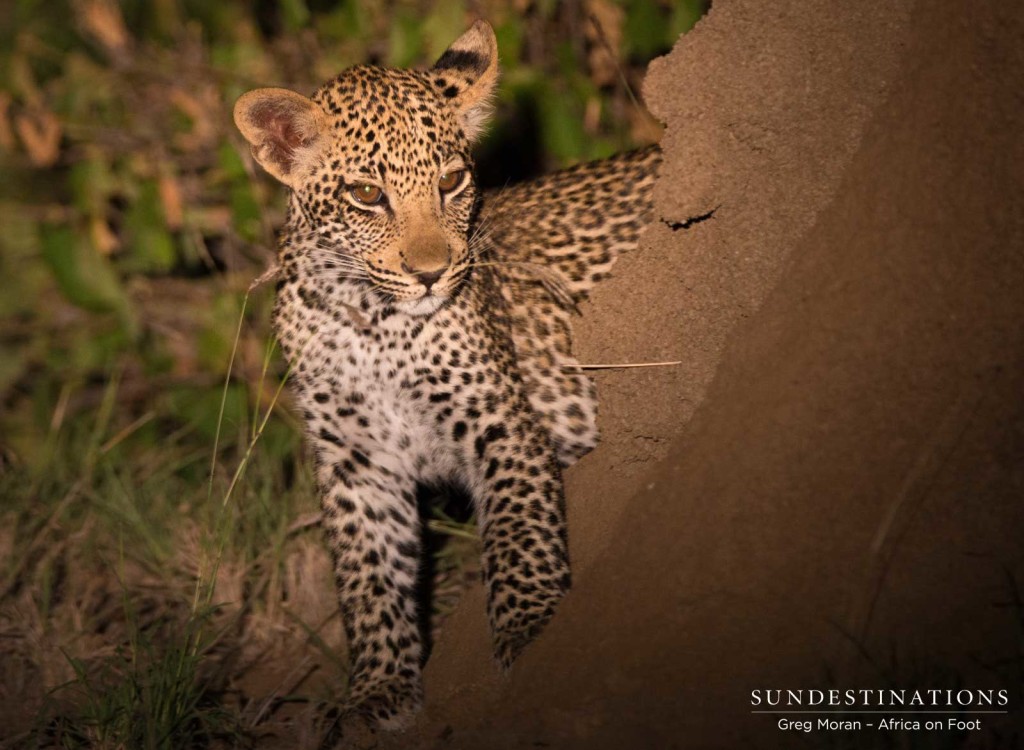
{"x": 109, "y": 445}
{"x": 622, "y": 366}
{"x": 305, "y": 522}
{"x": 274, "y": 701}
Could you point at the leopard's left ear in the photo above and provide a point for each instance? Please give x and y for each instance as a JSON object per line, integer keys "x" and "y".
{"x": 284, "y": 129}
{"x": 467, "y": 75}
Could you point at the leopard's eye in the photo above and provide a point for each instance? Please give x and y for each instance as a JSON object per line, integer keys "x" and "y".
{"x": 368, "y": 195}
{"x": 449, "y": 181}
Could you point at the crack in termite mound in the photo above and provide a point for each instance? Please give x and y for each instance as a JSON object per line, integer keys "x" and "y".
{"x": 675, "y": 226}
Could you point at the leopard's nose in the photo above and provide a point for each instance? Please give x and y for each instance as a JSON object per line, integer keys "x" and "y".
{"x": 427, "y": 278}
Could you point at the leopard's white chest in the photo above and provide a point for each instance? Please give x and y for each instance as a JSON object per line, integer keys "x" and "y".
{"x": 356, "y": 376}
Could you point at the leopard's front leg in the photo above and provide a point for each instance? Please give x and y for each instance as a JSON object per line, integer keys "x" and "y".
{"x": 517, "y": 487}
{"x": 372, "y": 525}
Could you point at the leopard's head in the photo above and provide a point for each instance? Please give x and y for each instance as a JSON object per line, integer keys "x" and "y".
{"x": 378, "y": 163}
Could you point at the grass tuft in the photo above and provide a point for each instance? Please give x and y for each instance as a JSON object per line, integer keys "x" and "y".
{"x": 147, "y": 695}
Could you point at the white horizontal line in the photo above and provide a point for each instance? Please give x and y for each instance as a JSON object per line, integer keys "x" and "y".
{"x": 882, "y": 711}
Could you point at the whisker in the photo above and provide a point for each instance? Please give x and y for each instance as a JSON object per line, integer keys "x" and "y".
{"x": 347, "y": 260}
{"x": 482, "y": 231}
{"x": 551, "y": 280}
{"x": 336, "y": 263}
{"x": 486, "y": 225}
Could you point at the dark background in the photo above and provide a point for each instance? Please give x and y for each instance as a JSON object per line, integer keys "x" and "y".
{"x": 827, "y": 493}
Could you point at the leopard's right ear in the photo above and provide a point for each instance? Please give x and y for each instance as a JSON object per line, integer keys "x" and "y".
{"x": 283, "y": 128}
{"x": 467, "y": 76}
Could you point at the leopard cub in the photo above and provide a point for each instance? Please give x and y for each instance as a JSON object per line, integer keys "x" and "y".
{"x": 427, "y": 326}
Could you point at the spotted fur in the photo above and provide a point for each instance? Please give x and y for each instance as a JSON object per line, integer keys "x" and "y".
{"x": 430, "y": 340}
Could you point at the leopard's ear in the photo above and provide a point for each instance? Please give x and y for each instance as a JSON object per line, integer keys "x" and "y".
{"x": 467, "y": 75}
{"x": 283, "y": 128}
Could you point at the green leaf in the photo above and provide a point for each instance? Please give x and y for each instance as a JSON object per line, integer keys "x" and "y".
{"x": 644, "y": 33}
{"x": 295, "y": 14}
{"x": 349, "y": 21}
{"x": 231, "y": 163}
{"x": 510, "y": 41}
{"x": 216, "y": 338}
{"x": 561, "y": 124}
{"x": 24, "y": 278}
{"x": 445, "y": 23}
{"x": 246, "y": 213}
{"x": 85, "y": 277}
{"x": 89, "y": 92}
{"x": 91, "y": 185}
{"x": 201, "y": 409}
{"x": 405, "y": 41}
{"x": 685, "y": 14}
{"x": 149, "y": 244}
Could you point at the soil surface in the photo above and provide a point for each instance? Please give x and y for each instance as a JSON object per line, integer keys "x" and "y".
{"x": 827, "y": 492}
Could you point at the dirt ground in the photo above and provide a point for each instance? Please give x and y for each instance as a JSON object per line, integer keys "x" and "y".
{"x": 827, "y": 492}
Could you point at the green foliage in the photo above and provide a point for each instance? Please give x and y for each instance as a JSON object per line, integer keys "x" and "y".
{"x": 85, "y": 277}
{"x": 133, "y": 501}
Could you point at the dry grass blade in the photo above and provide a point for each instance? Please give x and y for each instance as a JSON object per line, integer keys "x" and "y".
{"x": 42, "y": 538}
{"x": 305, "y": 522}
{"x": 269, "y": 275}
{"x": 621, "y": 365}
{"x": 287, "y": 686}
{"x": 123, "y": 434}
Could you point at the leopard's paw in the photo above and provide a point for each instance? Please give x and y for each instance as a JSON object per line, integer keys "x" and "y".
{"x": 389, "y": 704}
{"x": 513, "y": 631}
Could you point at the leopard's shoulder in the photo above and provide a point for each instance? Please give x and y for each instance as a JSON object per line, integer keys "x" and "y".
{"x": 548, "y": 241}
{"x": 572, "y": 225}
